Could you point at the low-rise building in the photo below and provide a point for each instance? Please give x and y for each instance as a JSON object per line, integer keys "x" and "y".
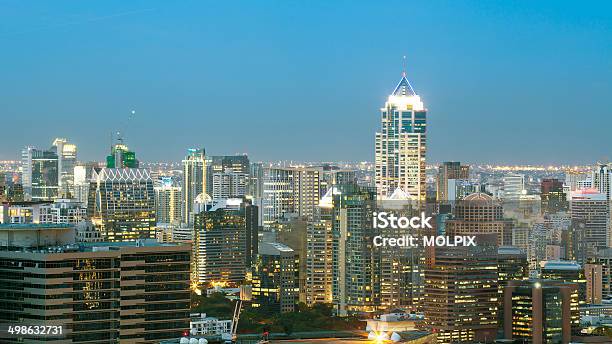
{"x": 202, "y": 325}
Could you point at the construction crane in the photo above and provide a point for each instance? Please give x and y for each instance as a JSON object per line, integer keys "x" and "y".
{"x": 231, "y": 337}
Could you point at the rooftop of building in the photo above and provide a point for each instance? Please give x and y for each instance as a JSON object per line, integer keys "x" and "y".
{"x": 400, "y": 195}
{"x": 273, "y": 248}
{"x": 25, "y": 203}
{"x": 96, "y": 246}
{"x": 539, "y": 283}
{"x": 589, "y": 194}
{"x": 121, "y": 174}
{"x": 478, "y": 197}
{"x": 561, "y": 265}
{"x": 31, "y": 226}
{"x": 327, "y": 201}
{"x": 509, "y": 250}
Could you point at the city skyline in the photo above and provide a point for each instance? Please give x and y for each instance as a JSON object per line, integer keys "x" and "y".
{"x": 89, "y": 67}
{"x": 290, "y": 171}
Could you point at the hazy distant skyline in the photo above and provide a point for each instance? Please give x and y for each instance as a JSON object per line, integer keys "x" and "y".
{"x": 511, "y": 82}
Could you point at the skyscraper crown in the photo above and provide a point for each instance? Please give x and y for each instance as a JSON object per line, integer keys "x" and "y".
{"x": 404, "y": 88}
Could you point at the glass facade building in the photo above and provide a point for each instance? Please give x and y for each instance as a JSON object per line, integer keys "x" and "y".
{"x": 40, "y": 174}
{"x": 194, "y": 181}
{"x": 539, "y": 311}
{"x": 225, "y": 242}
{"x": 401, "y": 144}
{"x": 122, "y": 204}
{"x": 275, "y": 278}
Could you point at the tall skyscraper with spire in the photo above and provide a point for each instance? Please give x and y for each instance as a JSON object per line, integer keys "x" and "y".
{"x": 401, "y": 144}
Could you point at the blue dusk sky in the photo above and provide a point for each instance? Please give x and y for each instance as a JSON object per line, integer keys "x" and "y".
{"x": 503, "y": 81}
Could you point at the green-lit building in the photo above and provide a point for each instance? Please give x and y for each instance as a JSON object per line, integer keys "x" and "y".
{"x": 121, "y": 157}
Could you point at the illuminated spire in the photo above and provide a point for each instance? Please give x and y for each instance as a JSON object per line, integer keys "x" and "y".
{"x": 404, "y": 88}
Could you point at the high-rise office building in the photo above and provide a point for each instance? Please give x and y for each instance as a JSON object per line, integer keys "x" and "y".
{"x": 275, "y": 278}
{"x": 331, "y": 175}
{"x": 66, "y": 160}
{"x": 536, "y": 247}
{"x": 278, "y": 194}
{"x": 479, "y": 213}
{"x": 356, "y": 286}
{"x": 539, "y": 311}
{"x": 450, "y": 174}
{"x": 604, "y": 258}
{"x": 401, "y": 144}
{"x": 40, "y": 174}
{"x": 593, "y": 273}
{"x": 99, "y": 292}
{"x": 577, "y": 180}
{"x": 225, "y": 242}
{"x": 461, "y": 292}
{"x": 121, "y": 156}
{"x": 168, "y": 200}
{"x": 256, "y": 177}
{"x": 512, "y": 265}
{"x": 307, "y": 187}
{"x": 319, "y": 264}
{"x": 319, "y": 252}
{"x": 514, "y": 186}
{"x": 3, "y": 187}
{"x": 601, "y": 177}
{"x": 229, "y": 184}
{"x": 293, "y": 233}
{"x": 290, "y": 190}
{"x": 194, "y": 181}
{"x": 553, "y": 196}
{"x": 566, "y": 271}
{"x": 82, "y": 180}
{"x": 400, "y": 271}
{"x": 238, "y": 164}
{"x": 122, "y": 200}
{"x": 590, "y": 215}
